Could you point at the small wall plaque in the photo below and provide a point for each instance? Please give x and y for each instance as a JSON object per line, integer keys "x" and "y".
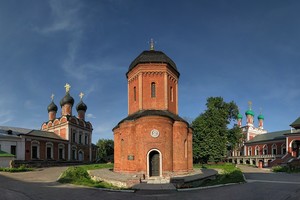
{"x": 154, "y": 133}
{"x": 130, "y": 157}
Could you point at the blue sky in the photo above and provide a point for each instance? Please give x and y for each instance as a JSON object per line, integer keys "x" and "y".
{"x": 240, "y": 50}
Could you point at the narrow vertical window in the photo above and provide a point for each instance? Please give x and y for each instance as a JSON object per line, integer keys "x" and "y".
{"x": 153, "y": 92}
{"x": 171, "y": 94}
{"x": 134, "y": 93}
{"x": 185, "y": 148}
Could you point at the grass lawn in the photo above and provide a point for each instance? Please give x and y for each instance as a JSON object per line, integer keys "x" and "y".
{"x": 79, "y": 176}
{"x": 229, "y": 174}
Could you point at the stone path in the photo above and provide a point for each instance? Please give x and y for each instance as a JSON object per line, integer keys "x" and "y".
{"x": 50, "y": 174}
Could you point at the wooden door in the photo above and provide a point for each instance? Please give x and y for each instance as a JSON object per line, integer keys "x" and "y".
{"x": 154, "y": 163}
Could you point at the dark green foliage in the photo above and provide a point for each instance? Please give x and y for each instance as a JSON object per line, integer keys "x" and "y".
{"x": 211, "y": 136}
{"x": 19, "y": 169}
{"x": 230, "y": 174}
{"x": 80, "y": 176}
{"x": 106, "y": 150}
{"x": 285, "y": 169}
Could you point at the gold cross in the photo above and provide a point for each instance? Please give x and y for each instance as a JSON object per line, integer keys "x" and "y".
{"x": 52, "y": 97}
{"x": 151, "y": 44}
{"x": 81, "y": 95}
{"x": 67, "y": 86}
{"x": 250, "y": 104}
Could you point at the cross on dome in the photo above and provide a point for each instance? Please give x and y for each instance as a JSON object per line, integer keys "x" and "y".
{"x": 52, "y": 97}
{"x": 250, "y": 105}
{"x": 152, "y": 44}
{"x": 67, "y": 86}
{"x": 81, "y": 95}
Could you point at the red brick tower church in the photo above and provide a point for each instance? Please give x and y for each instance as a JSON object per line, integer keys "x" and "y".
{"x": 153, "y": 139}
{"x": 75, "y": 130}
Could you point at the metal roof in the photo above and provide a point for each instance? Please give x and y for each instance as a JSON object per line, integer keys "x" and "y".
{"x": 152, "y": 57}
{"x": 144, "y": 113}
{"x": 278, "y": 135}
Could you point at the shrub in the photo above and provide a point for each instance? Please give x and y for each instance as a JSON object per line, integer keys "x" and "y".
{"x": 22, "y": 168}
{"x": 80, "y": 176}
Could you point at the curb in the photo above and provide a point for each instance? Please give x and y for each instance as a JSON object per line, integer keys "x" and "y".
{"x": 208, "y": 187}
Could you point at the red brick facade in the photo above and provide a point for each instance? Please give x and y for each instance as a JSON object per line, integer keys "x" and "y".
{"x": 75, "y": 130}
{"x": 153, "y": 139}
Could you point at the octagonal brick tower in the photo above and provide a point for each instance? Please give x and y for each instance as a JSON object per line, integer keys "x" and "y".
{"x": 153, "y": 140}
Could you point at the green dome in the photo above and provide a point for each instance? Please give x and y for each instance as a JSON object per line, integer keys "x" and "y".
{"x": 260, "y": 117}
{"x": 249, "y": 112}
{"x": 240, "y": 116}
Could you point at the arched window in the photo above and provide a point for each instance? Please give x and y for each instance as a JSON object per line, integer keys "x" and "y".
{"x": 274, "y": 149}
{"x": 257, "y": 150}
{"x": 122, "y": 148}
{"x": 74, "y": 136}
{"x": 265, "y": 149}
{"x": 49, "y": 150}
{"x": 61, "y": 151}
{"x": 283, "y": 149}
{"x": 80, "y": 138}
{"x": 171, "y": 94}
{"x": 86, "y": 139}
{"x": 185, "y": 148}
{"x": 74, "y": 153}
{"x": 153, "y": 90}
{"x": 249, "y": 151}
{"x": 134, "y": 93}
{"x": 35, "y": 150}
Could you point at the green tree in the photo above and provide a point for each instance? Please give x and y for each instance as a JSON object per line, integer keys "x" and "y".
{"x": 211, "y": 135}
{"x": 105, "y": 150}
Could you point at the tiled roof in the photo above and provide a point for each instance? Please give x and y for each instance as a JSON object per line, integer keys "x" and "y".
{"x": 278, "y": 135}
{"x": 143, "y": 113}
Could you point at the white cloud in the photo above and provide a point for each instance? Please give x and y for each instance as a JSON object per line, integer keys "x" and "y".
{"x": 63, "y": 17}
{"x": 90, "y": 115}
{"x": 5, "y": 117}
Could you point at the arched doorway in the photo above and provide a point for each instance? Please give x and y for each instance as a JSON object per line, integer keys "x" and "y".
{"x": 154, "y": 160}
{"x": 80, "y": 155}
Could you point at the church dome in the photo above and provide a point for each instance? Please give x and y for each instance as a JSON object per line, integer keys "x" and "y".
{"x": 67, "y": 99}
{"x": 260, "y": 117}
{"x": 52, "y": 107}
{"x": 240, "y": 116}
{"x": 81, "y": 106}
{"x": 249, "y": 112}
{"x": 152, "y": 56}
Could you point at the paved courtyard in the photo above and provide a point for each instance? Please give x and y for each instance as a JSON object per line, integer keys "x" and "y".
{"x": 41, "y": 184}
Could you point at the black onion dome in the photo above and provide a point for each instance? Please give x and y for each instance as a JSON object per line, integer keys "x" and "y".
{"x": 81, "y": 106}
{"x": 152, "y": 57}
{"x": 67, "y": 99}
{"x": 52, "y": 107}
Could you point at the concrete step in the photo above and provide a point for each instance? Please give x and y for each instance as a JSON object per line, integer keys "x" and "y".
{"x": 157, "y": 181}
